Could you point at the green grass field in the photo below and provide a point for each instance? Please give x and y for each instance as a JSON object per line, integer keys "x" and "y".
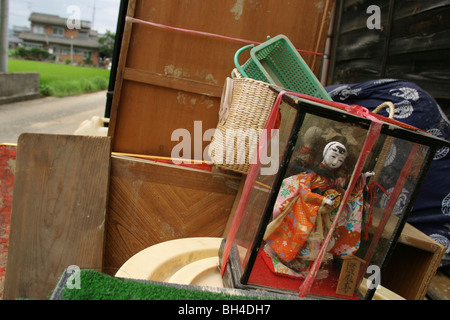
{"x": 63, "y": 80}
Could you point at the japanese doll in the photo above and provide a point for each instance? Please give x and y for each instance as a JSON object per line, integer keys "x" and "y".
{"x": 304, "y": 211}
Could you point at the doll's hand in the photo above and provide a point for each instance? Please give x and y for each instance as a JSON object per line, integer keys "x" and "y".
{"x": 329, "y": 201}
{"x": 369, "y": 174}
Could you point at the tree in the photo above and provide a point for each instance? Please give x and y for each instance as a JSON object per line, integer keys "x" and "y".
{"x": 106, "y": 43}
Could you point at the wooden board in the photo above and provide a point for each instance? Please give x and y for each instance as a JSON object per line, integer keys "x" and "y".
{"x": 167, "y": 79}
{"x": 58, "y": 211}
{"x": 151, "y": 202}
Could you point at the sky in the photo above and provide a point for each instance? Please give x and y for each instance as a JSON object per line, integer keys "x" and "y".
{"x": 103, "y": 13}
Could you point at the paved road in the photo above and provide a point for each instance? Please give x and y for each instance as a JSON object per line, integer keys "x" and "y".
{"x": 49, "y": 115}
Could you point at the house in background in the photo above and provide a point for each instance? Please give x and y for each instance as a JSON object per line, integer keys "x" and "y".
{"x": 51, "y": 32}
{"x": 13, "y": 36}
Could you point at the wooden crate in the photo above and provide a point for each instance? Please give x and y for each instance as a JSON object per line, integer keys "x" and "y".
{"x": 413, "y": 264}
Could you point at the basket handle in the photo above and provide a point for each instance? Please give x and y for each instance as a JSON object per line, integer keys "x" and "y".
{"x": 388, "y": 105}
{"x": 236, "y": 59}
{"x": 225, "y": 101}
{"x": 235, "y": 74}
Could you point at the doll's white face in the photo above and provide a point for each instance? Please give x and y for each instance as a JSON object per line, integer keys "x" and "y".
{"x": 334, "y": 156}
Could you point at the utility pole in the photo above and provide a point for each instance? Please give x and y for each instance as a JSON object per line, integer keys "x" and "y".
{"x": 93, "y": 17}
{"x": 4, "y": 35}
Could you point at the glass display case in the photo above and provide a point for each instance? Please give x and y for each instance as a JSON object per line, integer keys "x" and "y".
{"x": 325, "y": 200}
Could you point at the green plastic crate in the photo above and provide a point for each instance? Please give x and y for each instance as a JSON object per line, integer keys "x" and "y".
{"x": 278, "y": 62}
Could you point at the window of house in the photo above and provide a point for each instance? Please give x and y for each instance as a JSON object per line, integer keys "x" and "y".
{"x": 29, "y": 45}
{"x": 87, "y": 54}
{"x": 82, "y": 34}
{"x": 39, "y": 29}
{"x": 58, "y": 31}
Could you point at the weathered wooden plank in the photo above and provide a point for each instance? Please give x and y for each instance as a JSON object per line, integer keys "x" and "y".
{"x": 357, "y": 70}
{"x": 360, "y": 45}
{"x": 414, "y": 7}
{"x": 414, "y": 40}
{"x": 58, "y": 211}
{"x": 356, "y": 15}
{"x": 421, "y": 43}
{"x": 163, "y": 80}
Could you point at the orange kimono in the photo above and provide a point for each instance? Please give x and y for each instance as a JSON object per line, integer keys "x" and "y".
{"x": 289, "y": 240}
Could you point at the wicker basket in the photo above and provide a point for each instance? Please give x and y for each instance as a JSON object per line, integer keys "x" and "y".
{"x": 245, "y": 107}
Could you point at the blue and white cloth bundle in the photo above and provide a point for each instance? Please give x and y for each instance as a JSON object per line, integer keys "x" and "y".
{"x": 416, "y": 107}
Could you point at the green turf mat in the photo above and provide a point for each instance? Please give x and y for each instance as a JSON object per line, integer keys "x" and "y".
{"x": 93, "y": 285}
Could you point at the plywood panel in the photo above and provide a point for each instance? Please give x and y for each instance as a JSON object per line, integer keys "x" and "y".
{"x": 146, "y": 124}
{"x": 168, "y": 78}
{"x": 151, "y": 202}
{"x": 303, "y": 21}
{"x": 58, "y": 211}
